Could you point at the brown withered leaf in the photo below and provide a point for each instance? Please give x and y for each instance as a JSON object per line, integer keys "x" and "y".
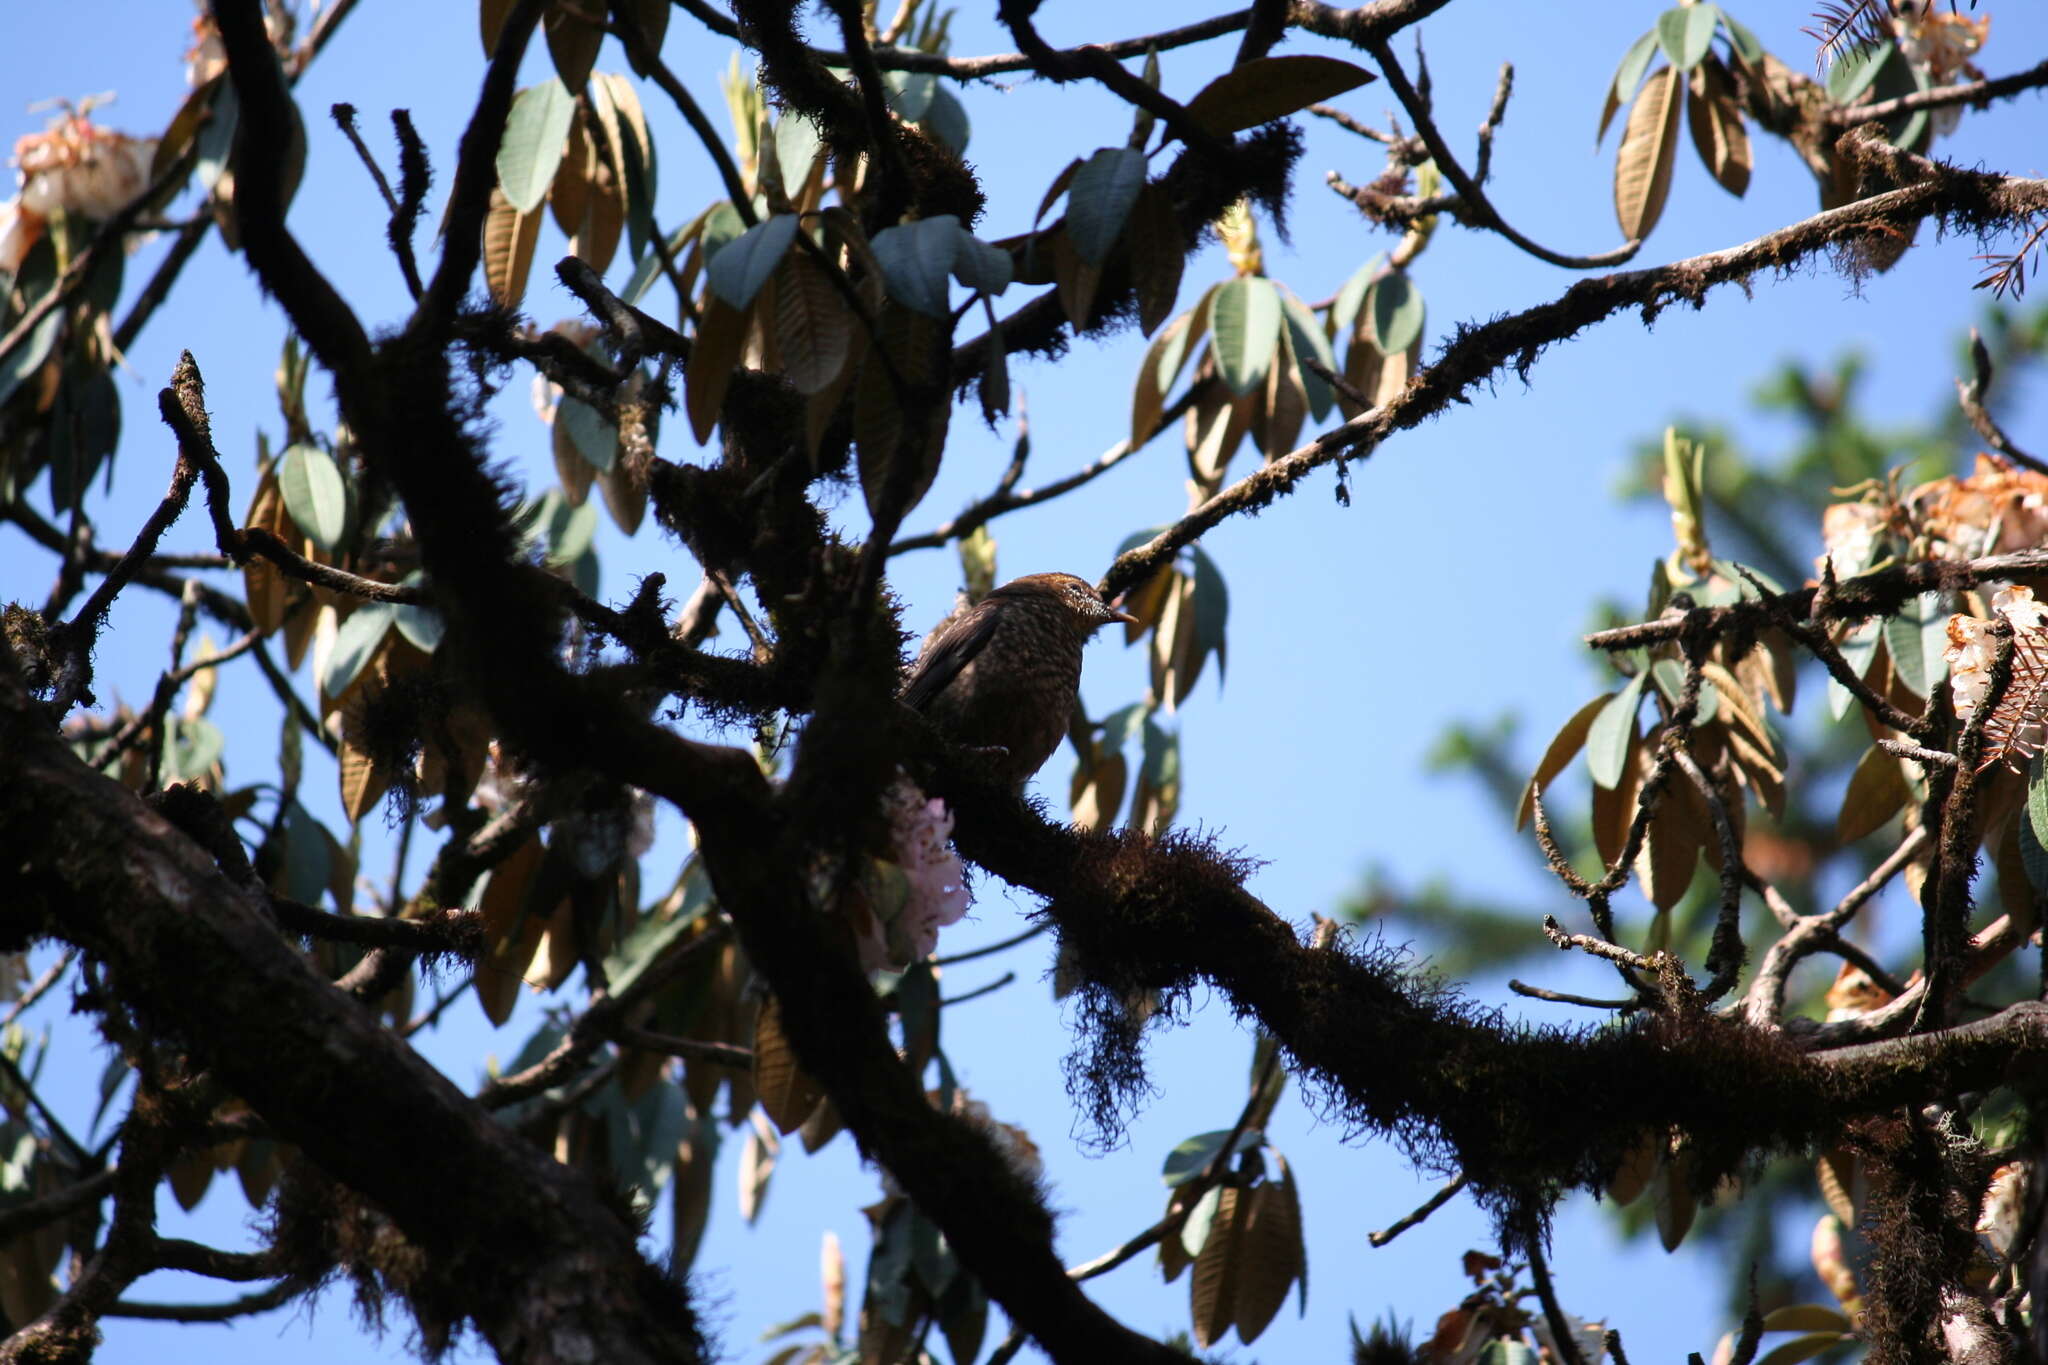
{"x": 511, "y": 936}
{"x": 1877, "y": 791}
{"x": 813, "y": 325}
{"x": 190, "y": 1175}
{"x": 509, "y": 238}
{"x": 1671, "y": 850}
{"x": 1270, "y": 1254}
{"x": 787, "y": 1094}
{"x": 569, "y": 196}
{"x": 757, "y": 1164}
{"x": 1564, "y": 746}
{"x": 1146, "y": 602}
{"x": 696, "y": 1164}
{"x": 1671, "y": 1189}
{"x": 1212, "y": 1290}
{"x": 1174, "y": 621}
{"x": 885, "y": 434}
{"x": 1632, "y": 1177}
{"x": 263, "y": 587}
{"x": 2015, "y": 890}
{"x": 1097, "y": 791}
{"x": 1717, "y": 130}
{"x": 1148, "y": 395}
{"x": 1286, "y": 404}
{"x": 1835, "y": 1170}
{"x": 1158, "y": 255}
{"x": 1077, "y": 278}
{"x": 1649, "y": 148}
{"x": 721, "y": 332}
{"x": 574, "y": 37}
{"x": 257, "y": 1170}
{"x": 491, "y": 16}
{"x": 652, "y": 18}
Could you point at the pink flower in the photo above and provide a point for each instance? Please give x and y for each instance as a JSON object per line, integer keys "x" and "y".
{"x": 914, "y": 890}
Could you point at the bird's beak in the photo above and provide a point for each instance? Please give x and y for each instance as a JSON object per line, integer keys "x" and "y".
{"x": 1114, "y": 611}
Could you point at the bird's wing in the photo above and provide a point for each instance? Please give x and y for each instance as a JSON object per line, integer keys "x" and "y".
{"x": 941, "y": 661}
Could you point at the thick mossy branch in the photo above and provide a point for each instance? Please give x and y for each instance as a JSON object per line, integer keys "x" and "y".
{"x": 1455, "y": 1087}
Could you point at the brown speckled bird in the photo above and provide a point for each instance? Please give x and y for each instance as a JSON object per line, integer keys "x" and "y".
{"x": 1004, "y": 674}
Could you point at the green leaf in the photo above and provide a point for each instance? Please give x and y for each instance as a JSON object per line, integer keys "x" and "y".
{"x": 1685, "y": 32}
{"x": 917, "y": 261}
{"x": 1910, "y": 637}
{"x": 191, "y": 748}
{"x": 722, "y": 227}
{"x": 947, "y": 121}
{"x": 1271, "y": 87}
{"x": 1308, "y": 341}
{"x": 1854, "y": 70}
{"x": 1194, "y": 1233}
{"x": 930, "y": 1257}
{"x": 797, "y": 148}
{"x": 1190, "y": 1156}
{"x": 30, "y": 352}
{"x": 1212, "y": 606}
{"x": 1858, "y": 648}
{"x": 569, "y": 532}
{"x": 2036, "y": 826}
{"x": 1740, "y": 38}
{"x": 1344, "y": 311}
{"x": 111, "y": 1080}
{"x": 595, "y": 439}
{"x": 421, "y": 626}
{"x": 979, "y": 265}
{"x": 1501, "y": 1351}
{"x": 963, "y": 1317}
{"x": 1397, "y": 313}
{"x": 1669, "y": 675}
{"x": 354, "y": 644}
{"x": 1802, "y": 1348}
{"x": 1608, "y": 740}
{"x": 745, "y": 265}
{"x": 648, "y": 269}
{"x": 911, "y": 93}
{"x": 2033, "y": 852}
{"x": 1627, "y": 77}
{"x": 305, "y": 857}
{"x": 1244, "y": 323}
{"x": 653, "y": 935}
{"x": 314, "y": 494}
{"x": 1120, "y": 726}
{"x": 536, "y": 134}
{"x": 1099, "y": 200}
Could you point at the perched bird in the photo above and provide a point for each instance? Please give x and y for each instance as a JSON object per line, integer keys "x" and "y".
{"x": 1004, "y": 674}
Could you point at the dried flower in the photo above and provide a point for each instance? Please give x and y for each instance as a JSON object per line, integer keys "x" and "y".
{"x": 73, "y": 167}
{"x": 2005, "y": 1202}
{"x": 2013, "y": 731}
{"x": 1998, "y": 509}
{"x": 1850, "y": 530}
{"x": 1941, "y": 45}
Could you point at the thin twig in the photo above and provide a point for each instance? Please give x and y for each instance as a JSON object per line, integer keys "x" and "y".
{"x": 1447, "y": 1192}
{"x": 989, "y": 949}
{"x": 1480, "y": 208}
{"x": 42, "y": 985}
{"x": 1970, "y": 394}
{"x": 1565, "y": 998}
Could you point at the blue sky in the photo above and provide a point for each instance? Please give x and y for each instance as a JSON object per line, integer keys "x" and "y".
{"x": 1452, "y": 588}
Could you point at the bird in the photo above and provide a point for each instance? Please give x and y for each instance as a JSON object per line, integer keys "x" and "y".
{"x": 1003, "y": 676}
